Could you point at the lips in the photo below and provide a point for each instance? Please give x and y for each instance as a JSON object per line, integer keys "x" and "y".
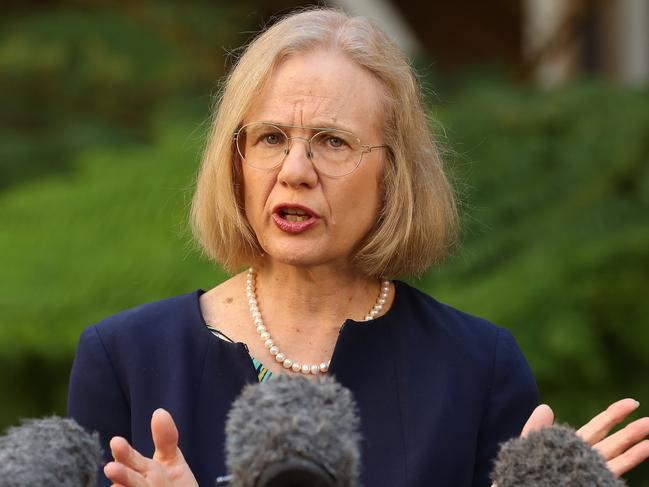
{"x": 293, "y": 218}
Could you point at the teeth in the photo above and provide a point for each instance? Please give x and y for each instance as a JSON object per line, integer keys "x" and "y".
{"x": 295, "y": 218}
{"x": 294, "y": 211}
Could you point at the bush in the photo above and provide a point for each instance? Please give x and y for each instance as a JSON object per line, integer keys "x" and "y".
{"x": 556, "y": 244}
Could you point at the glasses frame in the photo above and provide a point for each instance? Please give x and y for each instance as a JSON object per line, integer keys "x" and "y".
{"x": 365, "y": 149}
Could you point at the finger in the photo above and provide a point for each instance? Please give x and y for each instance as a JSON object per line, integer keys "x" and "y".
{"x": 165, "y": 436}
{"x": 124, "y": 453}
{"x": 629, "y": 459}
{"x": 541, "y": 417}
{"x": 120, "y": 474}
{"x": 624, "y": 439}
{"x": 598, "y": 427}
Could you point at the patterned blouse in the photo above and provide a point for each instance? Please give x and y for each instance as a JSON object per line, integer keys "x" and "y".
{"x": 263, "y": 374}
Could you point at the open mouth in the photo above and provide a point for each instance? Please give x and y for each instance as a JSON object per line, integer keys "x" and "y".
{"x": 294, "y": 218}
{"x": 294, "y": 214}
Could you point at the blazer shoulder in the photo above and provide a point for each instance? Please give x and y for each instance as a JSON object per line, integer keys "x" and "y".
{"x": 429, "y": 314}
{"x": 166, "y": 319}
{"x": 432, "y": 325}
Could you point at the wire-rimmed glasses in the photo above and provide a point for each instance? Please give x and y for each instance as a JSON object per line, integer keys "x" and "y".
{"x": 333, "y": 152}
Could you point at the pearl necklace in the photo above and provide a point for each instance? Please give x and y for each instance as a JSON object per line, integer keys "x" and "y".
{"x": 264, "y": 334}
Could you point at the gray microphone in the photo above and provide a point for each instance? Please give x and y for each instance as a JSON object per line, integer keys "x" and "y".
{"x": 49, "y": 452}
{"x": 550, "y": 457}
{"x": 293, "y": 432}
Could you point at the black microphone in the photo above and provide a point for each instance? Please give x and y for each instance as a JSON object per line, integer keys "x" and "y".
{"x": 293, "y": 432}
{"x": 49, "y": 452}
{"x": 550, "y": 457}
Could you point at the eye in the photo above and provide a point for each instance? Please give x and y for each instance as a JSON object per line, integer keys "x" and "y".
{"x": 332, "y": 141}
{"x": 270, "y": 138}
{"x": 335, "y": 142}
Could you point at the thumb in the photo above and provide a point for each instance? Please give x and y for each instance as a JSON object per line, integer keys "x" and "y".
{"x": 541, "y": 417}
{"x": 165, "y": 436}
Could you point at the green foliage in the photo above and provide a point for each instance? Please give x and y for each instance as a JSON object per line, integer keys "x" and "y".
{"x": 74, "y": 78}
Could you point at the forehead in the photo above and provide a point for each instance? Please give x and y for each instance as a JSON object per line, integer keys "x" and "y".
{"x": 321, "y": 89}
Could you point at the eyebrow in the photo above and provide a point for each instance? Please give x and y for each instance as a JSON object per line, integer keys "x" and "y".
{"x": 310, "y": 127}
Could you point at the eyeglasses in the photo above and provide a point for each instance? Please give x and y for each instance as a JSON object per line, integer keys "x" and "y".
{"x": 333, "y": 152}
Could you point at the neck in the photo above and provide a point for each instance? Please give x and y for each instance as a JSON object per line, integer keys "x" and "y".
{"x": 314, "y": 300}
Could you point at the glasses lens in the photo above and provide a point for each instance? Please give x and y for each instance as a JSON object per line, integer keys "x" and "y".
{"x": 333, "y": 152}
{"x": 336, "y": 152}
{"x": 262, "y": 145}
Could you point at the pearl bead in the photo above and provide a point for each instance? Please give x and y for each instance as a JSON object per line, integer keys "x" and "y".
{"x": 264, "y": 334}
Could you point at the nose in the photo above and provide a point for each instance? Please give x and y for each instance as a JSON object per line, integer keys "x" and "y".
{"x": 297, "y": 169}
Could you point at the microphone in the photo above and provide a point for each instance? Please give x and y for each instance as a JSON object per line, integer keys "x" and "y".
{"x": 549, "y": 457}
{"x": 293, "y": 432}
{"x": 49, "y": 451}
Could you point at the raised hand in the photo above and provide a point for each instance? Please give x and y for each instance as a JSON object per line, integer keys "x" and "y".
{"x": 623, "y": 450}
{"x": 167, "y": 468}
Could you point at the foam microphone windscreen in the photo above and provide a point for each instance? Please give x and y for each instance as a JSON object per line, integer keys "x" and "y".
{"x": 290, "y": 421}
{"x": 52, "y": 451}
{"x": 550, "y": 457}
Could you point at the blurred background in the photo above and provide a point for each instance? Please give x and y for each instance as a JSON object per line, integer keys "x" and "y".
{"x": 541, "y": 107}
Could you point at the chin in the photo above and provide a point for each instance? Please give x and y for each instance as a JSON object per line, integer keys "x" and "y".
{"x": 309, "y": 249}
{"x": 302, "y": 255}
{"x": 300, "y": 259}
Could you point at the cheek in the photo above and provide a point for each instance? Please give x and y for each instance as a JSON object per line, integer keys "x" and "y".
{"x": 357, "y": 207}
{"x": 256, "y": 188}
{"x": 253, "y": 211}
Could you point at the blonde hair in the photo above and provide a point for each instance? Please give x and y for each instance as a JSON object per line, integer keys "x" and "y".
{"x": 418, "y": 221}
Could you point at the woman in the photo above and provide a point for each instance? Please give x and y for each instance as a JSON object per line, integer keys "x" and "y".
{"x": 320, "y": 174}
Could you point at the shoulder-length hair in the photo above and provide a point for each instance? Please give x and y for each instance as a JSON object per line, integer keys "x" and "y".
{"x": 418, "y": 220}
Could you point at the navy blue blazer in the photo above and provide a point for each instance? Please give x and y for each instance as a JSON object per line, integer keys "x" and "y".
{"x": 437, "y": 389}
